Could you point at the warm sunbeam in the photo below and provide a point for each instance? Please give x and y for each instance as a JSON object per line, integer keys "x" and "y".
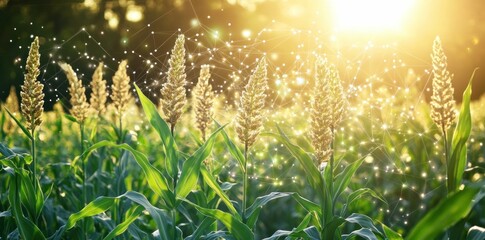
{"x": 369, "y": 15}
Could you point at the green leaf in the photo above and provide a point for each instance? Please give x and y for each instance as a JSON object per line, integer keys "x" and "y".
{"x": 307, "y": 204}
{"x": 238, "y": 229}
{"x": 360, "y": 192}
{"x": 33, "y": 200}
{"x": 70, "y": 118}
{"x": 310, "y": 233}
{"x": 331, "y": 228}
{"x": 448, "y": 212}
{"x": 313, "y": 174}
{"x": 476, "y": 233}
{"x": 363, "y": 221}
{"x": 204, "y": 227}
{"x": 134, "y": 213}
{"x": 26, "y": 228}
{"x": 233, "y": 149}
{"x": 5, "y": 151}
{"x": 364, "y": 233}
{"x": 102, "y": 204}
{"x": 457, "y": 161}
{"x": 163, "y": 130}
{"x": 157, "y": 214}
{"x": 211, "y": 182}
{"x": 22, "y": 127}
{"x": 390, "y": 234}
{"x": 99, "y": 205}
{"x": 342, "y": 180}
{"x": 253, "y": 211}
{"x": 155, "y": 179}
{"x": 191, "y": 168}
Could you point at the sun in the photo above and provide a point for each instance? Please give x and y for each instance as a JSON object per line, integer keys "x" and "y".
{"x": 369, "y": 15}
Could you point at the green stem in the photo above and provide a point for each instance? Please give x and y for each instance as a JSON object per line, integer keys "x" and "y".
{"x": 175, "y": 179}
{"x": 84, "y": 195}
{"x": 120, "y": 140}
{"x": 34, "y": 160}
{"x": 332, "y": 159}
{"x": 245, "y": 182}
{"x": 445, "y": 143}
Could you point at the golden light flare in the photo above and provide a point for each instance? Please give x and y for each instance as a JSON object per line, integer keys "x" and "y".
{"x": 369, "y": 15}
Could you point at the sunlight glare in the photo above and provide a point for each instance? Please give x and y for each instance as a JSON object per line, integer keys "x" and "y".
{"x": 369, "y": 15}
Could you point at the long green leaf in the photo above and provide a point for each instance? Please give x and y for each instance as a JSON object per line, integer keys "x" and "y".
{"x": 22, "y": 127}
{"x": 33, "y": 200}
{"x": 343, "y": 179}
{"x": 362, "y": 220}
{"x": 163, "y": 130}
{"x": 476, "y": 233}
{"x": 102, "y": 204}
{"x": 238, "y": 229}
{"x": 313, "y": 175}
{"x": 364, "y": 233}
{"x": 122, "y": 227}
{"x": 203, "y": 228}
{"x": 212, "y": 183}
{"x": 390, "y": 234}
{"x": 97, "y": 206}
{"x": 234, "y": 150}
{"x": 27, "y": 229}
{"x": 191, "y": 168}
{"x": 157, "y": 214}
{"x": 253, "y": 211}
{"x": 457, "y": 161}
{"x": 155, "y": 179}
{"x": 307, "y": 204}
{"x": 449, "y": 211}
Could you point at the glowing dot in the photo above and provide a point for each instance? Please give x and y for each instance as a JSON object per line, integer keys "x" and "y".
{"x": 194, "y": 22}
{"x": 246, "y": 33}
{"x": 300, "y": 81}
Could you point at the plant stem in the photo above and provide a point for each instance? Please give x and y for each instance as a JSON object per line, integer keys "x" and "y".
{"x": 34, "y": 160}
{"x": 245, "y": 182}
{"x": 81, "y": 131}
{"x": 120, "y": 140}
{"x": 175, "y": 179}
{"x": 445, "y": 143}
{"x": 330, "y": 184}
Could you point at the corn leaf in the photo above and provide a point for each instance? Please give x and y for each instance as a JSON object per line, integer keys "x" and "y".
{"x": 204, "y": 227}
{"x": 313, "y": 175}
{"x": 102, "y": 204}
{"x": 163, "y": 130}
{"x": 362, "y": 220}
{"x": 343, "y": 179}
{"x": 448, "y": 212}
{"x": 457, "y": 161}
{"x": 154, "y": 178}
{"x": 253, "y": 211}
{"x": 135, "y": 212}
{"x": 191, "y": 168}
{"x": 238, "y": 229}
{"x": 97, "y": 206}
{"x": 22, "y": 127}
{"x": 390, "y": 234}
{"x": 307, "y": 204}
{"x": 157, "y": 214}
{"x": 234, "y": 150}
{"x": 211, "y": 182}
{"x": 476, "y": 233}
{"x": 26, "y": 228}
{"x": 364, "y": 233}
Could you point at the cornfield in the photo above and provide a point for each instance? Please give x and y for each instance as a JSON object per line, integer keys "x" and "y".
{"x": 350, "y": 165}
